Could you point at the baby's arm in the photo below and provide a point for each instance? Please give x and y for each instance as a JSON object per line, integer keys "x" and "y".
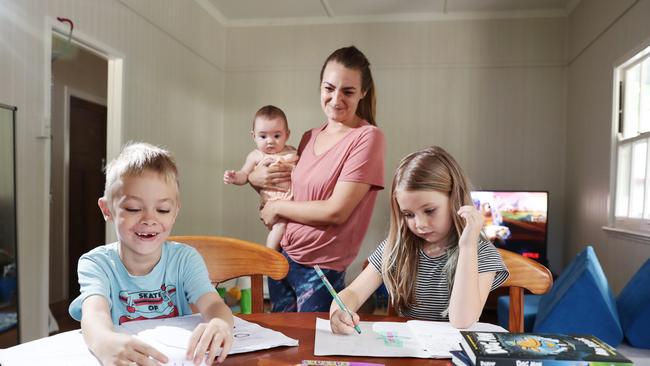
{"x": 353, "y": 297}
{"x": 240, "y": 177}
{"x": 215, "y": 334}
{"x": 108, "y": 346}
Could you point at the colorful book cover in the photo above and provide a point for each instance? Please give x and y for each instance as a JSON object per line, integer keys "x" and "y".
{"x": 537, "y": 349}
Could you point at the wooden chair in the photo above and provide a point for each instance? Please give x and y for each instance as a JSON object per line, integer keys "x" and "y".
{"x": 525, "y": 273}
{"x": 228, "y": 258}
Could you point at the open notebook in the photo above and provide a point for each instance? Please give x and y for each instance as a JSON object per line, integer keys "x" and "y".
{"x": 414, "y": 338}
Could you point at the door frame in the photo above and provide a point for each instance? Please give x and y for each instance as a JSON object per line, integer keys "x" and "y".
{"x": 114, "y": 94}
{"x": 114, "y": 123}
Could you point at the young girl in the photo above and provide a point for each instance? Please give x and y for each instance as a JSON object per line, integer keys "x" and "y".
{"x": 435, "y": 264}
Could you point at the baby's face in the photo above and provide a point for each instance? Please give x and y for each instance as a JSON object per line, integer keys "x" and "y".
{"x": 270, "y": 135}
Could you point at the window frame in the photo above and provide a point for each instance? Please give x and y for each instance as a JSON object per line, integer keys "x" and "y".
{"x": 639, "y": 227}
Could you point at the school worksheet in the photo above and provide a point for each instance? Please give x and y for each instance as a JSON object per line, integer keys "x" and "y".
{"x": 414, "y": 338}
{"x": 171, "y": 335}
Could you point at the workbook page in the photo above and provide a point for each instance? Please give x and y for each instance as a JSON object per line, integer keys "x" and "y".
{"x": 172, "y": 335}
{"x": 438, "y": 338}
{"x": 377, "y": 339}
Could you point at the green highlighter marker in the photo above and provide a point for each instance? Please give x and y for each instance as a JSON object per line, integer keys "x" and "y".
{"x": 335, "y": 295}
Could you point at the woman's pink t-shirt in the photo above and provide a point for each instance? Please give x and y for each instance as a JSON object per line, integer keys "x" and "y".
{"x": 357, "y": 157}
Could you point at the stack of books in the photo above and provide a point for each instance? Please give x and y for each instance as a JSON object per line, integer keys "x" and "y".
{"x": 534, "y": 349}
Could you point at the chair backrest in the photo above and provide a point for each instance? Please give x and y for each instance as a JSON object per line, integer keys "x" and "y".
{"x": 527, "y": 274}
{"x": 228, "y": 258}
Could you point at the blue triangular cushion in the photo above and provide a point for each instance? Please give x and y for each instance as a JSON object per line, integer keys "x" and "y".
{"x": 634, "y": 308}
{"x": 531, "y": 304}
{"x": 581, "y": 301}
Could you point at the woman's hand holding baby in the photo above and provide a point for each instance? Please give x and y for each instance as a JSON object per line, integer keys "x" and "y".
{"x": 269, "y": 214}
{"x": 270, "y": 176}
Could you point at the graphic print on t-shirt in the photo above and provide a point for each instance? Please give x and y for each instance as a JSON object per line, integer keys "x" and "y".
{"x": 141, "y": 305}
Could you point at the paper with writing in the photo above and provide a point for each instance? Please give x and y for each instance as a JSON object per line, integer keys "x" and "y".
{"x": 414, "y": 338}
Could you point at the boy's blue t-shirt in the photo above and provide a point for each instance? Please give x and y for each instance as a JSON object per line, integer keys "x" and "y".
{"x": 179, "y": 279}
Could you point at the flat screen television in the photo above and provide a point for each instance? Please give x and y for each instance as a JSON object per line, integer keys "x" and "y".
{"x": 515, "y": 220}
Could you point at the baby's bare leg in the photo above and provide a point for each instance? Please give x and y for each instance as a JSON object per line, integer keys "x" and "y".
{"x": 275, "y": 236}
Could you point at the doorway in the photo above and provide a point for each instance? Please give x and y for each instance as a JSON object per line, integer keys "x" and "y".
{"x": 86, "y": 229}
{"x": 85, "y": 102}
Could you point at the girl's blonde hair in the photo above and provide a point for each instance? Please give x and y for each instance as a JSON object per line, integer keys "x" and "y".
{"x": 430, "y": 169}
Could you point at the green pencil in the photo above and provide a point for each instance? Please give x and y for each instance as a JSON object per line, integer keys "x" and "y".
{"x": 335, "y": 295}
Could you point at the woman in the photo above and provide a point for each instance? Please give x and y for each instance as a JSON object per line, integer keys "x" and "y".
{"x": 335, "y": 185}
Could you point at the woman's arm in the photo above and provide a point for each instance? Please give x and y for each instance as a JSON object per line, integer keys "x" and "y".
{"x": 332, "y": 211}
{"x": 215, "y": 334}
{"x": 470, "y": 288}
{"x": 109, "y": 346}
{"x": 353, "y": 297}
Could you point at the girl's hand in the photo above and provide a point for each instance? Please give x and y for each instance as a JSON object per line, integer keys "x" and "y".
{"x": 341, "y": 323}
{"x": 269, "y": 214}
{"x": 269, "y": 176}
{"x": 123, "y": 349}
{"x": 210, "y": 337}
{"x": 473, "y": 225}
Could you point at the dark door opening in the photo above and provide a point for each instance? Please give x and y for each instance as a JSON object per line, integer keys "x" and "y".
{"x": 86, "y": 226}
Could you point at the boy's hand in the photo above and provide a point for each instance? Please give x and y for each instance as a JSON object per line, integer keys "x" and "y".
{"x": 123, "y": 349}
{"x": 473, "y": 224}
{"x": 229, "y": 176}
{"x": 210, "y": 337}
{"x": 341, "y": 323}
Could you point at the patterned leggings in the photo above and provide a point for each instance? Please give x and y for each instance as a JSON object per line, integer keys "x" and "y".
{"x": 302, "y": 290}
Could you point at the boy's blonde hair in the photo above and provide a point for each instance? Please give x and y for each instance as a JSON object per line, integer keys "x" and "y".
{"x": 430, "y": 169}
{"x": 134, "y": 159}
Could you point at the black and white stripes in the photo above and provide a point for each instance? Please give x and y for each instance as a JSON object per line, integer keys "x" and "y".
{"x": 431, "y": 292}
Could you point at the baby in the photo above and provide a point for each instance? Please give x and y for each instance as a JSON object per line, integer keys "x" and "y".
{"x": 270, "y": 133}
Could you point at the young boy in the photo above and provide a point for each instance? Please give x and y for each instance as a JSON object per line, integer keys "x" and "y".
{"x": 270, "y": 133}
{"x": 143, "y": 276}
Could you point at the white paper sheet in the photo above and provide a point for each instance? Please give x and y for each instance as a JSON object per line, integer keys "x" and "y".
{"x": 438, "y": 338}
{"x": 170, "y": 336}
{"x": 415, "y": 338}
{"x": 64, "y": 349}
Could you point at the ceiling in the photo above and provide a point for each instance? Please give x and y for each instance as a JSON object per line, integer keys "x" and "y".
{"x": 286, "y": 12}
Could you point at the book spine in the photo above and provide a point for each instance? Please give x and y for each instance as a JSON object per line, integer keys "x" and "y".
{"x": 494, "y": 361}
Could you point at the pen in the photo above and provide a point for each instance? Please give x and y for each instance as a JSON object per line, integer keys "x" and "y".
{"x": 335, "y": 295}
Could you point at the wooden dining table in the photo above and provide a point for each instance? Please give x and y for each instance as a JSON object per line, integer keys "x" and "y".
{"x": 302, "y": 326}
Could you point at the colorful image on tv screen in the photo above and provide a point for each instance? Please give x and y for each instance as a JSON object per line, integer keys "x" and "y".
{"x": 516, "y": 221}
